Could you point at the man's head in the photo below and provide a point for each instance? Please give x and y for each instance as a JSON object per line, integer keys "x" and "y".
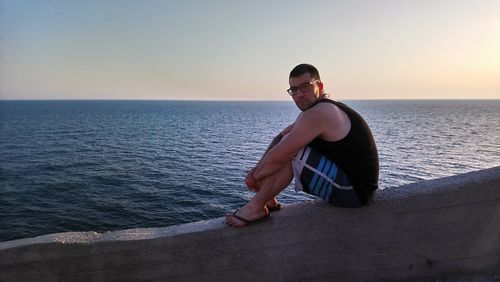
{"x": 306, "y": 87}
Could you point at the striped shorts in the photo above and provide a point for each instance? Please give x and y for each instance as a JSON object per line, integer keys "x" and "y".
{"x": 317, "y": 175}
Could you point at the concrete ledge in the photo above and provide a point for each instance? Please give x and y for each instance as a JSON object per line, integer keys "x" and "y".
{"x": 444, "y": 228}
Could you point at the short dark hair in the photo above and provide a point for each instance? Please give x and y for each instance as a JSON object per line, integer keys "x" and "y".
{"x": 305, "y": 68}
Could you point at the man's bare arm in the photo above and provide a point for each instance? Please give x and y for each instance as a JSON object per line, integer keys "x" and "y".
{"x": 249, "y": 180}
{"x": 307, "y": 127}
{"x": 278, "y": 138}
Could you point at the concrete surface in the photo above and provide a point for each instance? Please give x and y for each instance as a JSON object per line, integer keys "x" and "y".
{"x": 441, "y": 230}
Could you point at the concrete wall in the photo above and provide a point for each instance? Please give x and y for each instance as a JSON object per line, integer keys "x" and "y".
{"x": 444, "y": 228}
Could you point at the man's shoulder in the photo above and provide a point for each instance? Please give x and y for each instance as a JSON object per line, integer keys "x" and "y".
{"x": 325, "y": 104}
{"x": 315, "y": 110}
{"x": 318, "y": 113}
{"x": 324, "y": 108}
{"x": 328, "y": 113}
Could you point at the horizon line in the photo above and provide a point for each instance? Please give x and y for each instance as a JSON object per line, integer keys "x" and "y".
{"x": 249, "y": 100}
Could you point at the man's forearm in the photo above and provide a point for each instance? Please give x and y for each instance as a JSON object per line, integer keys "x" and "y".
{"x": 266, "y": 168}
{"x": 275, "y": 142}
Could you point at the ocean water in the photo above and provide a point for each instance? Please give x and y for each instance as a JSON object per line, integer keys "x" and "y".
{"x": 107, "y": 165}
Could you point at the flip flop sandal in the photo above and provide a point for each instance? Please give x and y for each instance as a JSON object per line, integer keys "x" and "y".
{"x": 250, "y": 222}
{"x": 275, "y": 208}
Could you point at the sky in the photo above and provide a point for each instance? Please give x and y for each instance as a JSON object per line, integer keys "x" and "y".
{"x": 244, "y": 50}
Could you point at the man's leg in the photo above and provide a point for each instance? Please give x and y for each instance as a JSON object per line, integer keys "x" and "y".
{"x": 256, "y": 208}
{"x": 317, "y": 175}
{"x": 272, "y": 203}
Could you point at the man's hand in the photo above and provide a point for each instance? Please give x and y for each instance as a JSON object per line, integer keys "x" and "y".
{"x": 250, "y": 181}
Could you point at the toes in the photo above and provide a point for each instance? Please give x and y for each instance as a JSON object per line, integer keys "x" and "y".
{"x": 231, "y": 221}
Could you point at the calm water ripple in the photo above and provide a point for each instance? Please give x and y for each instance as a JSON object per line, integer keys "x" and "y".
{"x": 106, "y": 165}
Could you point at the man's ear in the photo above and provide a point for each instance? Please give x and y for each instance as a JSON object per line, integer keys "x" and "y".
{"x": 320, "y": 85}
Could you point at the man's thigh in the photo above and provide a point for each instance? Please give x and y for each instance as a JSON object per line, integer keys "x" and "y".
{"x": 317, "y": 175}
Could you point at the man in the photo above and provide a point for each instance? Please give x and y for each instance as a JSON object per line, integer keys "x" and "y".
{"x": 329, "y": 149}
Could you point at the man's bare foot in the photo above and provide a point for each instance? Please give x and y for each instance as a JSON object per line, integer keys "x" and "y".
{"x": 247, "y": 215}
{"x": 273, "y": 205}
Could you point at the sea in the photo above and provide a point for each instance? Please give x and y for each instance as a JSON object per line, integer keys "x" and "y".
{"x": 99, "y": 165}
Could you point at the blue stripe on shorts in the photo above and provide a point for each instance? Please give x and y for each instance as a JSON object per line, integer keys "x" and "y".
{"x": 321, "y": 177}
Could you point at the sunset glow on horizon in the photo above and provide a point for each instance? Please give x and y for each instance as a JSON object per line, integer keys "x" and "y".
{"x": 226, "y": 50}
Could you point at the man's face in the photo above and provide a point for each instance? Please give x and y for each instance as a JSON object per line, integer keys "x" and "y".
{"x": 307, "y": 90}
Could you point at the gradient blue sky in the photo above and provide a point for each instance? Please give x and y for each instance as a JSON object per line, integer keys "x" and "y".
{"x": 244, "y": 50}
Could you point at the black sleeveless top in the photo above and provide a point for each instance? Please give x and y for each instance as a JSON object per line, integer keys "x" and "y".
{"x": 356, "y": 154}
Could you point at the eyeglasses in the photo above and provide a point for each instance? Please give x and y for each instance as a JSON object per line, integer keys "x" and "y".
{"x": 306, "y": 86}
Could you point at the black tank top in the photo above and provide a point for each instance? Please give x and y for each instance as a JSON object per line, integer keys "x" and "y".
{"x": 356, "y": 154}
